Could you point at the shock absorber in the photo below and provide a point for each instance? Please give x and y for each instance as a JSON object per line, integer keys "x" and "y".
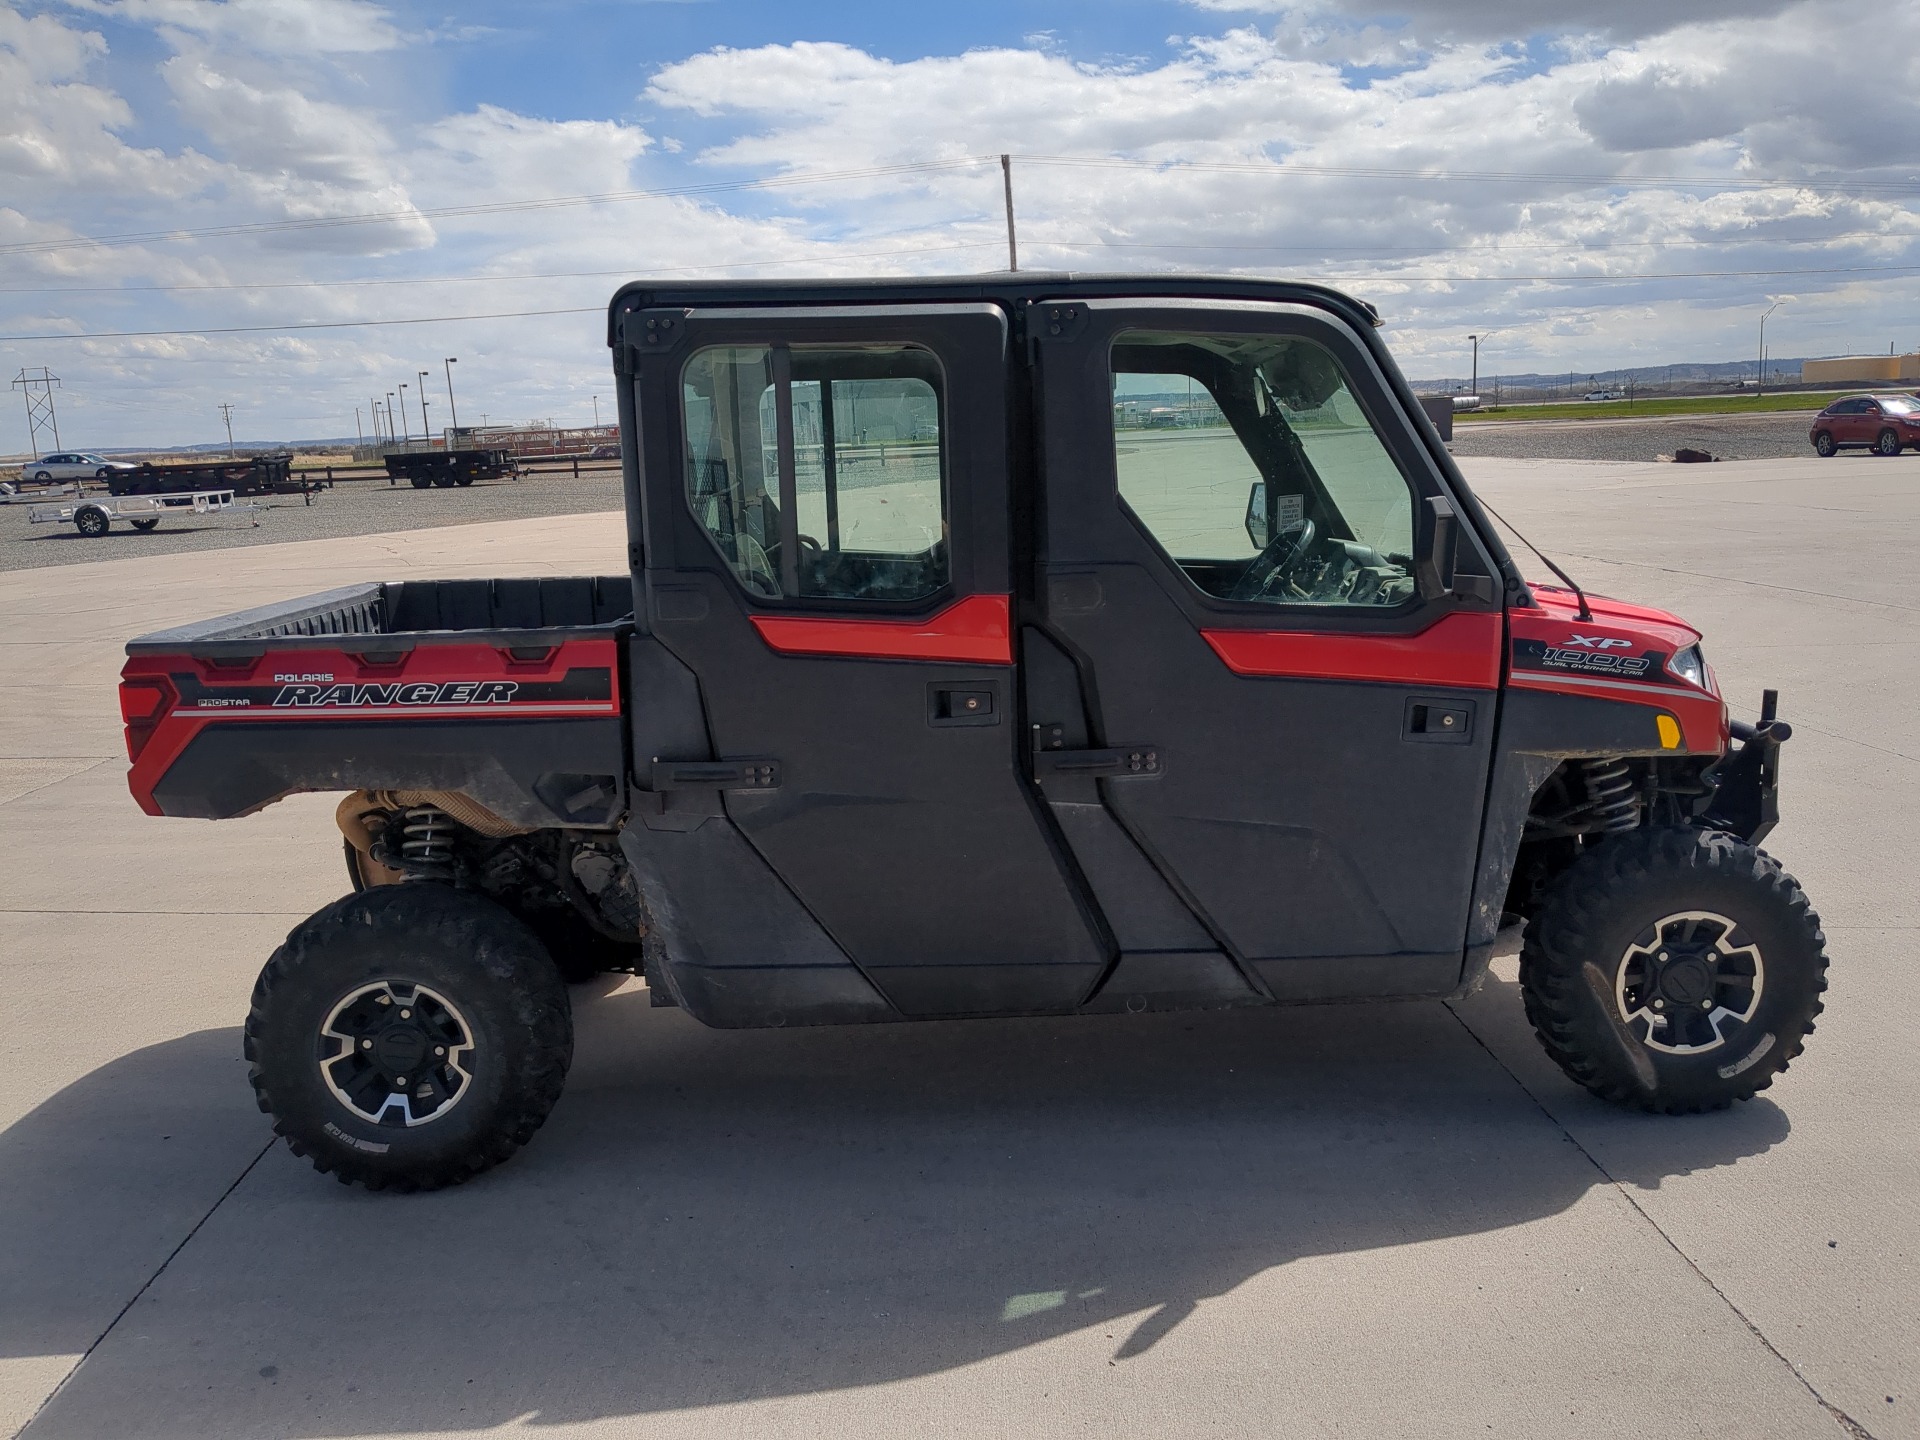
{"x": 1610, "y": 794}
{"x": 426, "y": 842}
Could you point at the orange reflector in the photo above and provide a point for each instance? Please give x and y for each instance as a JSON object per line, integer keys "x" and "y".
{"x": 1669, "y": 731}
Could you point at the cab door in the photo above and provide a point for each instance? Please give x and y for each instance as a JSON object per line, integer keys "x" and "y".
{"x": 1235, "y": 517}
{"x": 827, "y": 552}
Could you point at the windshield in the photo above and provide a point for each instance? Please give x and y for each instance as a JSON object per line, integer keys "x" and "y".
{"x": 1896, "y": 405}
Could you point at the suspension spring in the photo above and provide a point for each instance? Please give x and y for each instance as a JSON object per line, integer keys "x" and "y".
{"x": 1610, "y": 795}
{"x": 426, "y": 842}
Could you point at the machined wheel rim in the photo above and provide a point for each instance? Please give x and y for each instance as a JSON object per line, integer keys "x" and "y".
{"x": 1689, "y": 982}
{"x": 396, "y": 1054}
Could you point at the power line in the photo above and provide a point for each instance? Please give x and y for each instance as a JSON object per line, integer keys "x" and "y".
{"x": 497, "y": 207}
{"x": 624, "y": 273}
{"x": 1541, "y": 177}
{"x": 1278, "y": 170}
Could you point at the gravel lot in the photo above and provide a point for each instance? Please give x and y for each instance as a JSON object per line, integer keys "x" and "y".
{"x": 1729, "y": 437}
{"x": 353, "y": 507}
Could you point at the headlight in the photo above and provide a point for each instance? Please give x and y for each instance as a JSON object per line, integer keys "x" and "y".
{"x": 1689, "y": 666}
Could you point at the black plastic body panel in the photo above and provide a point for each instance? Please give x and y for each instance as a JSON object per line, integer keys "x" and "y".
{"x": 523, "y": 770}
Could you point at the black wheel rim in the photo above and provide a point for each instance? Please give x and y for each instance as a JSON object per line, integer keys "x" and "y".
{"x": 396, "y": 1054}
{"x": 1690, "y": 982}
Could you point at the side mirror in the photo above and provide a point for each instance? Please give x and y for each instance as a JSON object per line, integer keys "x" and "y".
{"x": 1259, "y": 527}
{"x": 1436, "y": 563}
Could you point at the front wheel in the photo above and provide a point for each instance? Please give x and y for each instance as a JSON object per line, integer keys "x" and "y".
{"x": 92, "y": 521}
{"x": 1824, "y": 446}
{"x": 1674, "y": 970}
{"x": 1888, "y": 443}
{"x": 409, "y": 1037}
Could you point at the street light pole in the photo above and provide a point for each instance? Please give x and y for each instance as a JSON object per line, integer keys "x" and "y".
{"x": 1760, "y": 374}
{"x": 596, "y": 412}
{"x": 390, "y": 430}
{"x": 426, "y": 429}
{"x": 1474, "y": 386}
{"x": 406, "y": 434}
{"x": 452, "y": 409}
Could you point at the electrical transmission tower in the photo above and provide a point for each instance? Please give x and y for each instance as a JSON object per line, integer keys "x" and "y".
{"x": 40, "y": 415}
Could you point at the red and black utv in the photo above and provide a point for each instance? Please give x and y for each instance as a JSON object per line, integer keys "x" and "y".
{"x": 1013, "y": 645}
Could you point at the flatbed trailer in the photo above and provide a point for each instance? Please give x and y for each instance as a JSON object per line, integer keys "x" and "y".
{"x": 254, "y": 475}
{"x": 95, "y": 516}
{"x": 446, "y": 468}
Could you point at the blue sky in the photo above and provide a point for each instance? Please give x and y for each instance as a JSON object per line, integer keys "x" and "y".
{"x": 1589, "y": 185}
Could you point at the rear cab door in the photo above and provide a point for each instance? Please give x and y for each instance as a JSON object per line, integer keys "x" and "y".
{"x": 1233, "y": 507}
{"x": 825, "y": 498}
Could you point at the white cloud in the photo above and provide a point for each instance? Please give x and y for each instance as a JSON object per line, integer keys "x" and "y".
{"x": 268, "y": 27}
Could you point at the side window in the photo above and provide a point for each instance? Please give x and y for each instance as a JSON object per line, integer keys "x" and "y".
{"x": 819, "y": 471}
{"x": 1252, "y": 464}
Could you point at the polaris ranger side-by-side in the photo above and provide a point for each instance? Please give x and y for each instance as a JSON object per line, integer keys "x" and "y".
{"x": 1014, "y": 645}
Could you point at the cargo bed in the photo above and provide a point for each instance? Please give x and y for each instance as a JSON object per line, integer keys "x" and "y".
{"x": 505, "y": 690}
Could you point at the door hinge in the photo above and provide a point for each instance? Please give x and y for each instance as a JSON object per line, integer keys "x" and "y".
{"x": 1118, "y": 762}
{"x": 716, "y": 775}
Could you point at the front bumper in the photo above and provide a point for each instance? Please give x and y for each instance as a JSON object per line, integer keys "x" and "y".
{"x": 1746, "y": 781}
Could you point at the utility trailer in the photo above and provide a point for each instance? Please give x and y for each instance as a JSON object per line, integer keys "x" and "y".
{"x": 950, "y": 680}
{"x": 254, "y": 475}
{"x": 143, "y": 512}
{"x": 447, "y": 468}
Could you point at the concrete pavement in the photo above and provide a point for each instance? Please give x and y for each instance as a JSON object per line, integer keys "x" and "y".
{"x": 1371, "y": 1220}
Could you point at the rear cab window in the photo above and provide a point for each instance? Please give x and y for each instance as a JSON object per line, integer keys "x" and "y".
{"x": 819, "y": 471}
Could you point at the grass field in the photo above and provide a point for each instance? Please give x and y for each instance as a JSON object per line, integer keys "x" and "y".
{"x": 1647, "y": 407}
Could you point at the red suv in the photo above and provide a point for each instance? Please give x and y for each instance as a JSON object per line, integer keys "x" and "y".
{"x": 1885, "y": 424}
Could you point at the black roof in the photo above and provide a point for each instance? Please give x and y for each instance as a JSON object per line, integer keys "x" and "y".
{"x": 1005, "y": 287}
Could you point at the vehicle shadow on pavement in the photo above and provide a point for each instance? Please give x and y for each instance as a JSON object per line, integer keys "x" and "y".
{"x": 715, "y": 1217}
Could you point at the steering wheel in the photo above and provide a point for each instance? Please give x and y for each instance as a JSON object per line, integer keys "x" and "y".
{"x": 1279, "y": 557}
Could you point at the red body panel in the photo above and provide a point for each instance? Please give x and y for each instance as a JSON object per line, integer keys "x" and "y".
{"x": 975, "y": 630}
{"x": 1460, "y": 651}
{"x": 432, "y": 682}
{"x": 1621, "y": 654}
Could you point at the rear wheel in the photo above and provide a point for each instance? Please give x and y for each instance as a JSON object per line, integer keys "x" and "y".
{"x": 91, "y": 520}
{"x": 43, "y": 475}
{"x": 445, "y": 482}
{"x": 409, "y": 1037}
{"x": 1674, "y": 970}
{"x": 421, "y": 482}
{"x": 463, "y": 479}
{"x": 1887, "y": 443}
{"x": 1823, "y": 445}
{"x": 145, "y": 524}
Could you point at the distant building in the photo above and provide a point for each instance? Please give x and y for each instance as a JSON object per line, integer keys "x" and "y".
{"x": 1860, "y": 369}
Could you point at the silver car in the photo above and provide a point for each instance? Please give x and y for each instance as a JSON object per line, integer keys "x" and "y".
{"x": 71, "y": 465}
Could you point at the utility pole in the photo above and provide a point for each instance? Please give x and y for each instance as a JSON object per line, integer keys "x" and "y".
{"x": 596, "y": 412}
{"x": 38, "y": 391}
{"x": 452, "y": 409}
{"x": 359, "y": 435}
{"x": 373, "y": 410}
{"x": 426, "y": 430}
{"x": 391, "y": 432}
{"x": 226, "y": 414}
{"x": 1473, "y": 386}
{"x": 1006, "y": 177}
{"x": 1760, "y": 379}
